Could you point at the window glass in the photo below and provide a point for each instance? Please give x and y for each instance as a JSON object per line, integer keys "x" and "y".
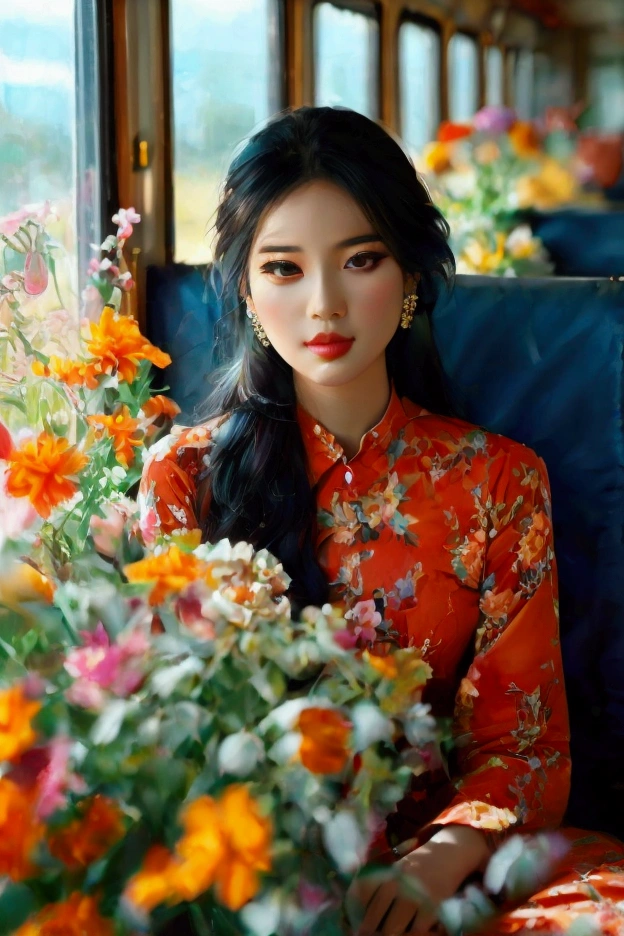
{"x": 494, "y": 76}
{"x": 346, "y": 58}
{"x": 419, "y": 76}
{"x": 49, "y": 128}
{"x": 227, "y": 73}
{"x": 524, "y": 84}
{"x": 463, "y": 57}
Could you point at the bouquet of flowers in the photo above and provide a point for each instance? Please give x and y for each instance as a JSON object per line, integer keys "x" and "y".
{"x": 172, "y": 740}
{"x": 483, "y": 174}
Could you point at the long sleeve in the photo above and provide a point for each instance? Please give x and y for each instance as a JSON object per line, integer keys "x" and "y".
{"x": 168, "y": 490}
{"x": 511, "y": 724}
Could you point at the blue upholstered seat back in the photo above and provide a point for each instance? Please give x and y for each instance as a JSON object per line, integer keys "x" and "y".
{"x": 540, "y": 361}
{"x": 583, "y": 241}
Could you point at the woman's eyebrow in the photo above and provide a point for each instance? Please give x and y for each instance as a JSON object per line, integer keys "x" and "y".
{"x": 372, "y": 238}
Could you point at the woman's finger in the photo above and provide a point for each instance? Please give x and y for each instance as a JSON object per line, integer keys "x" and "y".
{"x": 400, "y": 919}
{"x": 377, "y": 908}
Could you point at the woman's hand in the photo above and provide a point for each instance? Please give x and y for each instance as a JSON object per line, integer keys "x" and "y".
{"x": 438, "y": 868}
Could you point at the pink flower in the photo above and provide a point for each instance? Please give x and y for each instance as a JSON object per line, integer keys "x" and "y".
{"x": 118, "y": 668}
{"x": 106, "y": 531}
{"x": 13, "y": 222}
{"x": 191, "y": 612}
{"x": 35, "y": 273}
{"x": 149, "y": 524}
{"x": 366, "y": 619}
{"x": 56, "y": 779}
{"x": 346, "y": 639}
{"x": 124, "y": 219}
{"x": 494, "y": 119}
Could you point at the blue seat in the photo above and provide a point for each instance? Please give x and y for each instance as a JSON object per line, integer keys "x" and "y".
{"x": 540, "y": 361}
{"x": 583, "y": 241}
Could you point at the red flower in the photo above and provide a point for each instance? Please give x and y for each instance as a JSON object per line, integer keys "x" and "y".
{"x": 6, "y": 443}
{"x": 448, "y": 131}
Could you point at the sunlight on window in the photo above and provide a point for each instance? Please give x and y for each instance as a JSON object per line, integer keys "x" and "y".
{"x": 419, "y": 76}
{"x": 346, "y": 60}
{"x": 494, "y": 77}
{"x": 49, "y": 127}
{"x": 463, "y": 55}
{"x": 226, "y": 65}
{"x": 524, "y": 84}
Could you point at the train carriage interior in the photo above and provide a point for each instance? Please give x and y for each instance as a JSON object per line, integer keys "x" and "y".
{"x": 512, "y": 112}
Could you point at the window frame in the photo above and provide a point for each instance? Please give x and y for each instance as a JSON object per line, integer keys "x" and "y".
{"x": 437, "y": 26}
{"x": 372, "y": 10}
{"x": 486, "y": 84}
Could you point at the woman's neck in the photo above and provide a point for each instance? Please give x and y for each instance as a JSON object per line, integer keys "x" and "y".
{"x": 347, "y": 411}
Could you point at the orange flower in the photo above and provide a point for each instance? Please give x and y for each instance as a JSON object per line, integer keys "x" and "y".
{"x": 122, "y": 428}
{"x": 226, "y": 843}
{"x": 73, "y": 373}
{"x": 385, "y": 665}
{"x": 89, "y": 837}
{"x": 160, "y": 405}
{"x": 448, "y": 131}
{"x": 43, "y": 470}
{"x": 170, "y": 572}
{"x": 524, "y": 139}
{"x": 76, "y": 916}
{"x": 153, "y": 884}
{"x": 20, "y": 831}
{"x": 119, "y": 344}
{"x": 498, "y": 605}
{"x": 533, "y": 544}
{"x": 324, "y": 745}
{"x": 16, "y": 731}
{"x": 437, "y": 157}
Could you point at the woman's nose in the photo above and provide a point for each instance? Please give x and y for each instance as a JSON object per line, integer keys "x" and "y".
{"x": 327, "y": 301}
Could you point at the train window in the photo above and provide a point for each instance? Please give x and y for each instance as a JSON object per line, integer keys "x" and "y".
{"x": 419, "y": 77}
{"x": 495, "y": 76}
{"x": 346, "y": 56}
{"x": 524, "y": 84}
{"x": 463, "y": 57}
{"x": 49, "y": 125}
{"x": 226, "y": 78}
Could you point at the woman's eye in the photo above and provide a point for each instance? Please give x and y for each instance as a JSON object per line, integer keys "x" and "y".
{"x": 281, "y": 268}
{"x": 365, "y": 260}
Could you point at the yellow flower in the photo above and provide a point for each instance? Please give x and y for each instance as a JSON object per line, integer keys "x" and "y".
{"x": 44, "y": 470}
{"x": 23, "y": 582}
{"x": 170, "y": 572}
{"x": 16, "y": 714}
{"x": 553, "y": 185}
{"x": 480, "y": 258}
{"x": 122, "y": 428}
{"x": 117, "y": 341}
{"x": 325, "y": 737}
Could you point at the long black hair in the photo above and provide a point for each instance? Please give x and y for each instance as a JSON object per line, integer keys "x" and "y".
{"x": 258, "y": 482}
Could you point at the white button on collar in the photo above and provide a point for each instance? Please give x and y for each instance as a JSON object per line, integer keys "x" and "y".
{"x": 348, "y": 476}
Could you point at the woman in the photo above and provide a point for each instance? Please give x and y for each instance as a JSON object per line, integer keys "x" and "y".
{"x": 327, "y": 445}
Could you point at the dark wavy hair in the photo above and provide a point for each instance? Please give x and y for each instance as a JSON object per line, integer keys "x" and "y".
{"x": 258, "y": 481}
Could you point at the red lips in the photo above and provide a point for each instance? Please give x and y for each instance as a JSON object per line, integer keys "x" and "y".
{"x": 329, "y": 345}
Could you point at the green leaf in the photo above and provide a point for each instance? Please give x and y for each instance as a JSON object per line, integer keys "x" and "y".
{"x": 17, "y": 903}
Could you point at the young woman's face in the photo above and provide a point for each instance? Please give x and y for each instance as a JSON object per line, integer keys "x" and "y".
{"x": 327, "y": 291}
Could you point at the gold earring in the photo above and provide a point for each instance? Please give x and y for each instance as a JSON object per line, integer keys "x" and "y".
{"x": 259, "y": 331}
{"x": 409, "y": 307}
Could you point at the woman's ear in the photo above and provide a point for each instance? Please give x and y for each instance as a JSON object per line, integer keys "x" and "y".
{"x": 411, "y": 282}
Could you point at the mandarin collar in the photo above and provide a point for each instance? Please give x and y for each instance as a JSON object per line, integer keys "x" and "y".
{"x": 323, "y": 450}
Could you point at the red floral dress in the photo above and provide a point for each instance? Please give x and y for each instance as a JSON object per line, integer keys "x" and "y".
{"x": 444, "y": 531}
